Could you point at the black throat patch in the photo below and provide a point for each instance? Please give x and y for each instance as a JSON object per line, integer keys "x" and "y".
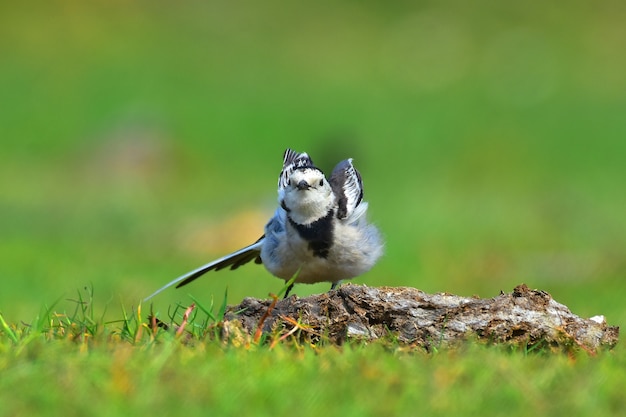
{"x": 319, "y": 234}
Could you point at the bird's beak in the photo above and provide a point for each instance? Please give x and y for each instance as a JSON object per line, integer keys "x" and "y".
{"x": 303, "y": 185}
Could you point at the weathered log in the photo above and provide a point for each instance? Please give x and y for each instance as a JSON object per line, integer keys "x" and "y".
{"x": 523, "y": 317}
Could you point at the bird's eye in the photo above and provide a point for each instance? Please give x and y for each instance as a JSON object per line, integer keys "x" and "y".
{"x": 321, "y": 182}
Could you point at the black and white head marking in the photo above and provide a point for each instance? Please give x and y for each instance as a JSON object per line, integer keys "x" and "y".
{"x": 307, "y": 196}
{"x": 292, "y": 160}
{"x": 347, "y": 185}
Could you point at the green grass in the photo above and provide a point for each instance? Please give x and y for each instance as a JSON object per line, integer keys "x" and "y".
{"x": 352, "y": 381}
{"x": 490, "y": 138}
{"x": 84, "y": 365}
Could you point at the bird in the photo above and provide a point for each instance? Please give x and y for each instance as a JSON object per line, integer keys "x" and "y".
{"x": 318, "y": 233}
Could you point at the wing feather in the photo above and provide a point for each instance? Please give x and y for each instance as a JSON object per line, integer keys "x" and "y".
{"x": 347, "y": 185}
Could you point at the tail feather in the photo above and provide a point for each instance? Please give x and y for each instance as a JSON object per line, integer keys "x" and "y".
{"x": 233, "y": 260}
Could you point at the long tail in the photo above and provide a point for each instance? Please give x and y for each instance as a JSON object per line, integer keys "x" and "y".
{"x": 234, "y": 260}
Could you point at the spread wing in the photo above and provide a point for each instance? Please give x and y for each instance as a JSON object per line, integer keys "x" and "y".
{"x": 347, "y": 185}
{"x": 234, "y": 260}
{"x": 292, "y": 160}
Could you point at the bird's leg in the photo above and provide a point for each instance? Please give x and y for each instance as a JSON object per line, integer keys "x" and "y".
{"x": 288, "y": 291}
{"x": 334, "y": 285}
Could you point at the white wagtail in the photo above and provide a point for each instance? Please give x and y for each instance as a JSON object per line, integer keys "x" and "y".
{"x": 319, "y": 230}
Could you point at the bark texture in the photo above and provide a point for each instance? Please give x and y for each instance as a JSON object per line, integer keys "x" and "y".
{"x": 523, "y": 317}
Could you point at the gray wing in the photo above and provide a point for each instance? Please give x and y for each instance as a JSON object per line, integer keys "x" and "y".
{"x": 292, "y": 160}
{"x": 347, "y": 185}
{"x": 233, "y": 260}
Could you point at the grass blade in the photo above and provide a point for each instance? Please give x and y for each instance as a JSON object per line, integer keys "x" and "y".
{"x": 8, "y": 330}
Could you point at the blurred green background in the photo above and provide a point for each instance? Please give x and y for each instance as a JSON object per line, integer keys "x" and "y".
{"x": 142, "y": 139}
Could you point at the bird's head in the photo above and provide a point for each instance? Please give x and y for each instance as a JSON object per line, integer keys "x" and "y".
{"x": 307, "y": 196}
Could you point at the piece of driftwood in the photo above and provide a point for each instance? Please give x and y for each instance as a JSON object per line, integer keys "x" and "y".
{"x": 523, "y": 317}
